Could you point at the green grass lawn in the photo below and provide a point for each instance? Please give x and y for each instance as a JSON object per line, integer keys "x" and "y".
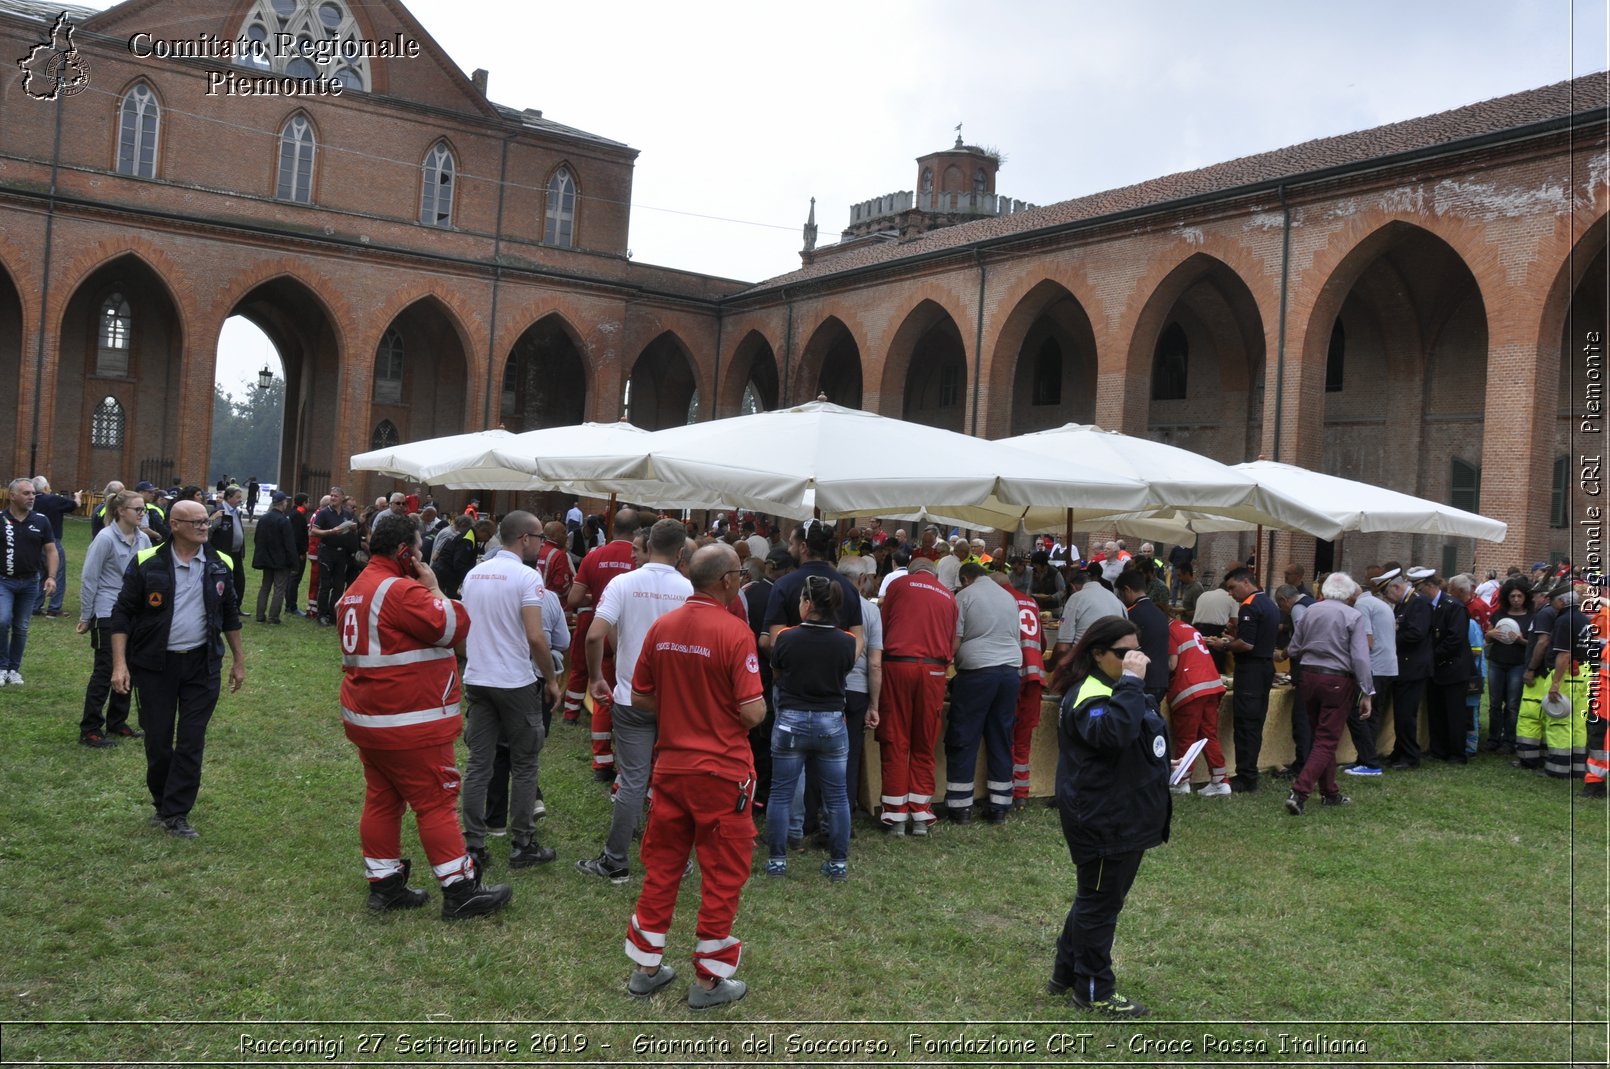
{"x": 1454, "y": 916}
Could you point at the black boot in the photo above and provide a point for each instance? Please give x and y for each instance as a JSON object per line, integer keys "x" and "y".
{"x": 467, "y": 898}
{"x": 393, "y": 892}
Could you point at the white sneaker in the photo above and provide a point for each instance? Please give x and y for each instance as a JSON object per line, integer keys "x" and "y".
{"x": 1183, "y": 787}
{"x": 1215, "y": 790}
{"x": 14, "y": 678}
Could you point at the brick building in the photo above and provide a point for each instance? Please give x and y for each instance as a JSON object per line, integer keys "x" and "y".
{"x": 1421, "y": 305}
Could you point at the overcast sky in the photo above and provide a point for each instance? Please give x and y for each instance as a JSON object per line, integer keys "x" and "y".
{"x": 744, "y": 111}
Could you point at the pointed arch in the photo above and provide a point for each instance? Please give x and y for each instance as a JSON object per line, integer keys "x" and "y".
{"x": 561, "y": 207}
{"x": 139, "y": 127}
{"x": 926, "y": 369}
{"x": 1044, "y": 360}
{"x": 752, "y": 383}
{"x": 830, "y": 363}
{"x": 663, "y": 388}
{"x": 437, "y": 185}
{"x": 545, "y": 380}
{"x": 298, "y": 145}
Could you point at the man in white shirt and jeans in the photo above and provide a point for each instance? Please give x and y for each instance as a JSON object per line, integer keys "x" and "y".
{"x": 629, "y": 605}
{"x": 504, "y": 598}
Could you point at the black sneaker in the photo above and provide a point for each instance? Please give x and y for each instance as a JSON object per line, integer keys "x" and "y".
{"x": 1285, "y": 772}
{"x": 524, "y": 855}
{"x": 1242, "y": 785}
{"x": 1335, "y": 799}
{"x": 95, "y": 740}
{"x": 1114, "y": 1005}
{"x": 603, "y": 867}
{"x": 180, "y": 828}
{"x": 1294, "y": 804}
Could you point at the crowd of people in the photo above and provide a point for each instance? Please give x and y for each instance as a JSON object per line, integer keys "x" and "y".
{"x": 732, "y": 674}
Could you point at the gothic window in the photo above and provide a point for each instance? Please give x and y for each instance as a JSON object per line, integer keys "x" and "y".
{"x": 385, "y": 435}
{"x": 1333, "y": 358}
{"x": 324, "y": 39}
{"x": 560, "y": 228}
{"x": 751, "y": 402}
{"x": 980, "y": 181}
{"x": 949, "y": 386}
{"x": 1170, "y": 364}
{"x": 114, "y": 335}
{"x": 389, "y": 369}
{"x": 296, "y": 161}
{"x": 1464, "y": 484}
{"x": 693, "y": 406}
{"x": 138, "y": 120}
{"x": 436, "y": 196}
{"x": 1048, "y": 374}
{"x": 106, "y": 425}
{"x": 927, "y": 179}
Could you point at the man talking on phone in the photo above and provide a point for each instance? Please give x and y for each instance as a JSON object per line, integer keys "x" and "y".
{"x": 400, "y": 707}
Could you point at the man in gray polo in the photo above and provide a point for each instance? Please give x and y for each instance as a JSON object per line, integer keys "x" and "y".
{"x": 1088, "y": 601}
{"x": 1383, "y": 641}
{"x": 983, "y": 696}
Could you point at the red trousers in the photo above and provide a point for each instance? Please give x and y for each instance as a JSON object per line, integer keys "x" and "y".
{"x": 603, "y": 720}
{"x": 425, "y": 781}
{"x": 693, "y": 813}
{"x": 1198, "y": 718}
{"x": 912, "y": 696}
{"x": 1029, "y": 693}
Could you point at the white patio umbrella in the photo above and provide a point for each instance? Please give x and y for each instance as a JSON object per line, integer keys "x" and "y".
{"x": 1349, "y": 505}
{"x": 856, "y": 462}
{"x": 454, "y": 460}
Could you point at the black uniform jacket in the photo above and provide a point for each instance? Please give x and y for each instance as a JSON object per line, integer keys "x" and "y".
{"x": 1414, "y": 638}
{"x": 1112, "y": 770}
{"x": 1452, "y": 661}
{"x": 144, "y": 609}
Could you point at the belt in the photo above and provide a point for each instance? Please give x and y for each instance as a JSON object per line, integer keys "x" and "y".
{"x": 188, "y": 652}
{"x": 915, "y": 660}
{"x": 990, "y": 668}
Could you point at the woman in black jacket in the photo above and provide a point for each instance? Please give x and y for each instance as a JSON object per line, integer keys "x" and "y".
{"x": 1112, "y": 791}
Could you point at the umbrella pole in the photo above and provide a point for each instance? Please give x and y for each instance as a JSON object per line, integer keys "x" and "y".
{"x": 1257, "y": 555}
{"x": 1068, "y": 541}
{"x": 609, "y": 520}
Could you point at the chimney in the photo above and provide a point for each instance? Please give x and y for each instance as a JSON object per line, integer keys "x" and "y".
{"x": 479, "y": 80}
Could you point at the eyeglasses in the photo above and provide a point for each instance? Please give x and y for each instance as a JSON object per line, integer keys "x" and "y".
{"x": 733, "y": 571}
{"x": 193, "y": 523}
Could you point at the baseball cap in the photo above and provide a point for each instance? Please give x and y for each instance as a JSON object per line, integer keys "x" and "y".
{"x": 780, "y": 557}
{"x": 142, "y": 486}
{"x": 276, "y": 497}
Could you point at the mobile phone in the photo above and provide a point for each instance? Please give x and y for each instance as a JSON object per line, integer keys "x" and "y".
{"x": 405, "y": 556}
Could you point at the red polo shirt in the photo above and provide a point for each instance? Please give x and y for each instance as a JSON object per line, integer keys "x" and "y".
{"x": 919, "y": 618}
{"x": 700, "y": 661}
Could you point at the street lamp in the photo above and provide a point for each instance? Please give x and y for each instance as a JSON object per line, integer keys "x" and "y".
{"x": 265, "y": 378}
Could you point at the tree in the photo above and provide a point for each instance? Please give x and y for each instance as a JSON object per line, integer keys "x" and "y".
{"x": 246, "y": 432}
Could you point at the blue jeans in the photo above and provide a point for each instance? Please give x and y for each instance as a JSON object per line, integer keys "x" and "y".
{"x": 16, "y": 612}
{"x": 1503, "y": 700}
{"x": 61, "y": 582}
{"x": 821, "y": 737}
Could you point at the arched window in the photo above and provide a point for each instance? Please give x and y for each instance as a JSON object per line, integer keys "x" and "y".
{"x": 1464, "y": 484}
{"x": 389, "y": 368}
{"x": 1334, "y": 357}
{"x": 1048, "y": 374}
{"x": 560, "y": 228}
{"x": 106, "y": 425}
{"x": 114, "y": 337}
{"x": 693, "y": 406}
{"x": 1560, "y": 497}
{"x": 385, "y": 435}
{"x": 310, "y": 30}
{"x": 1170, "y": 365}
{"x": 751, "y": 402}
{"x": 980, "y": 180}
{"x": 137, "y": 128}
{"x": 436, "y": 195}
{"x": 296, "y": 161}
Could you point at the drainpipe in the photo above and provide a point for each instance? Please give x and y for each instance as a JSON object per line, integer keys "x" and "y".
{"x": 715, "y": 386}
{"x": 978, "y": 338}
{"x": 1280, "y": 349}
{"x": 493, "y": 381}
{"x": 44, "y": 291}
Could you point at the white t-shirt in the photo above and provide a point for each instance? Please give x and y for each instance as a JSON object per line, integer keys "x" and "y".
{"x": 949, "y": 571}
{"x": 630, "y": 604}
{"x": 495, "y": 592}
{"x": 883, "y": 587}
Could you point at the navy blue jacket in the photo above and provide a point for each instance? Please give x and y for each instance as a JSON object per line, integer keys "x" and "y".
{"x": 1112, "y": 770}
{"x": 1414, "y": 638}
{"x": 144, "y": 609}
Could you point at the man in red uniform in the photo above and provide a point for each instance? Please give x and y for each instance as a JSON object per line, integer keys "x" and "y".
{"x": 1030, "y": 688}
{"x": 553, "y": 561}
{"x": 919, "y": 622}
{"x": 931, "y": 548}
{"x": 699, "y": 674}
{"x": 399, "y": 706}
{"x": 597, "y": 569}
{"x": 1194, "y": 692}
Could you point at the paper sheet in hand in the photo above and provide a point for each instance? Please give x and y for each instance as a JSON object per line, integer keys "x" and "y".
{"x": 1183, "y": 770}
